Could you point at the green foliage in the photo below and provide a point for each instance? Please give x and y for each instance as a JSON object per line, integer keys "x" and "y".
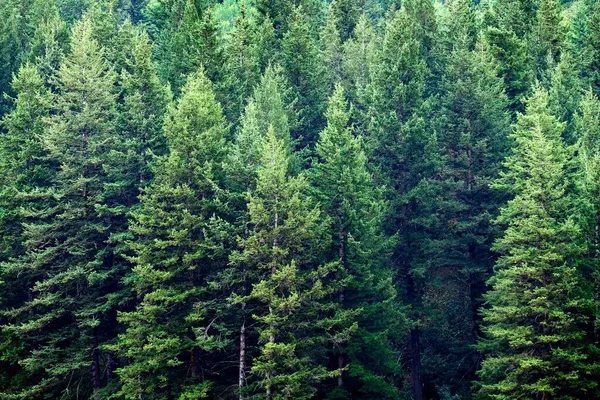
{"x": 281, "y": 263}
{"x": 280, "y": 199}
{"x": 536, "y": 275}
{"x": 178, "y": 239}
{"x": 366, "y": 298}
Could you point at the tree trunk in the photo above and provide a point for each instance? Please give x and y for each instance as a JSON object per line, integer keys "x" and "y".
{"x": 110, "y": 366}
{"x": 195, "y": 361}
{"x": 415, "y": 357}
{"x": 242, "y": 368}
{"x": 95, "y": 354}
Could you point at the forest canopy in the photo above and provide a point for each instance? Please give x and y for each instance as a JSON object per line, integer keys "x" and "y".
{"x": 300, "y": 199}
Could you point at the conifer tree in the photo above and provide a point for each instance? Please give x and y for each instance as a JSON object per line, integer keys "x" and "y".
{"x": 548, "y": 37}
{"x": 398, "y": 84}
{"x": 50, "y": 41}
{"x": 286, "y": 280}
{"x": 23, "y": 157}
{"x": 510, "y": 52}
{"x": 592, "y": 47}
{"x": 17, "y": 26}
{"x": 24, "y": 168}
{"x": 266, "y": 108}
{"x": 331, "y": 45}
{"x": 357, "y": 62}
{"x": 565, "y": 92}
{"x": 241, "y": 66}
{"x": 62, "y": 319}
{"x": 179, "y": 241}
{"x": 366, "y": 298}
{"x": 533, "y": 335}
{"x": 402, "y": 151}
{"x": 304, "y": 69}
{"x": 144, "y": 102}
{"x": 345, "y": 14}
{"x": 188, "y": 41}
{"x": 587, "y": 129}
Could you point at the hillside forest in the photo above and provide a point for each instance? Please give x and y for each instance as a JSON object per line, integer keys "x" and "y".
{"x": 300, "y": 199}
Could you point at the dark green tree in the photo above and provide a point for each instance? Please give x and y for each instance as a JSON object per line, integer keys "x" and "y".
{"x": 303, "y": 67}
{"x": 179, "y": 241}
{"x": 533, "y": 334}
{"x": 242, "y": 67}
{"x": 286, "y": 281}
{"x": 369, "y": 318}
{"x": 62, "y": 318}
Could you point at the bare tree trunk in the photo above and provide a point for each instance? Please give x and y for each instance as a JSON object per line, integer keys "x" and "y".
{"x": 95, "y": 354}
{"x": 194, "y": 361}
{"x": 415, "y": 356}
{"x": 242, "y": 368}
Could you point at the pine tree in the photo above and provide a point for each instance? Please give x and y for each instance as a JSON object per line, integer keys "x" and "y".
{"x": 532, "y": 329}
{"x": 473, "y": 130}
{"x": 587, "y": 128}
{"x": 241, "y": 66}
{"x": 50, "y": 41}
{"x": 266, "y": 109}
{"x": 304, "y": 69}
{"x": 19, "y": 19}
{"x": 188, "y": 41}
{"x": 144, "y": 102}
{"x": 357, "y": 62}
{"x": 63, "y": 317}
{"x": 398, "y": 84}
{"x": 366, "y": 298}
{"x": 24, "y": 169}
{"x": 510, "y": 53}
{"x": 24, "y": 166}
{"x": 280, "y": 259}
{"x": 593, "y": 47}
{"x": 402, "y": 151}
{"x": 565, "y": 92}
{"x": 331, "y": 45}
{"x": 179, "y": 242}
{"x": 346, "y": 14}
{"x": 548, "y": 37}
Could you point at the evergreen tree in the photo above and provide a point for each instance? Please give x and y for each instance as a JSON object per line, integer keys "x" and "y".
{"x": 331, "y": 45}
{"x": 24, "y": 162}
{"x": 179, "y": 241}
{"x": 266, "y": 109}
{"x": 402, "y": 151}
{"x": 304, "y": 69}
{"x": 532, "y": 329}
{"x": 286, "y": 281}
{"x": 357, "y": 62}
{"x": 368, "y": 311}
{"x": 510, "y": 52}
{"x": 587, "y": 128}
{"x": 565, "y": 92}
{"x": 593, "y": 47}
{"x": 345, "y": 14}
{"x": 20, "y": 19}
{"x": 62, "y": 318}
{"x": 24, "y": 168}
{"x": 188, "y": 41}
{"x": 241, "y": 65}
{"x": 547, "y": 39}
{"x": 144, "y": 102}
{"x": 473, "y": 128}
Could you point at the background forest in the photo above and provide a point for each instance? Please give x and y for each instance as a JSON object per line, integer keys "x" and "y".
{"x": 299, "y": 199}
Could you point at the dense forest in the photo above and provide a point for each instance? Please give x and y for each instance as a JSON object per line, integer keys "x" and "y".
{"x": 300, "y": 199}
